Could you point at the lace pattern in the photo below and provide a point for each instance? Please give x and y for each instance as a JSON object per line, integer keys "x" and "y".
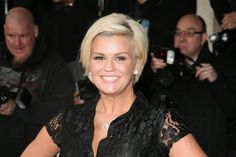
{"x": 54, "y": 128}
{"x": 143, "y": 131}
{"x": 171, "y": 130}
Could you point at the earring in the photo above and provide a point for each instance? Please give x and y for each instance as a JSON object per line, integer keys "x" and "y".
{"x": 90, "y": 76}
{"x": 135, "y": 72}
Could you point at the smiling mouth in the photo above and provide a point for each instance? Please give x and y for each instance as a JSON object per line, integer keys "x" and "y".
{"x": 110, "y": 78}
{"x": 18, "y": 50}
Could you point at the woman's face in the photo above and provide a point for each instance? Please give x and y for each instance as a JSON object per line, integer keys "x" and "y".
{"x": 112, "y": 64}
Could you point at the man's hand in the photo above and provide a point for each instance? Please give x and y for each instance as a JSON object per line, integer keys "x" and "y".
{"x": 157, "y": 63}
{"x": 229, "y": 20}
{"x": 141, "y": 1}
{"x": 206, "y": 72}
{"x": 77, "y": 99}
{"x": 8, "y": 108}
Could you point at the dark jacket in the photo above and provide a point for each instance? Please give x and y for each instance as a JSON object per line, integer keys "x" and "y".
{"x": 47, "y": 78}
{"x": 204, "y": 105}
{"x": 163, "y": 16}
{"x": 221, "y": 7}
{"x": 127, "y": 7}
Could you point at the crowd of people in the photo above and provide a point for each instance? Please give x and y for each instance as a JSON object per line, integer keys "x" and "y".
{"x": 27, "y": 64}
{"x": 143, "y": 105}
{"x": 117, "y": 122}
{"x": 202, "y": 89}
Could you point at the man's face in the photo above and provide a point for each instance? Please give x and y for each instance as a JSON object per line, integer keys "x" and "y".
{"x": 20, "y": 39}
{"x": 189, "y": 37}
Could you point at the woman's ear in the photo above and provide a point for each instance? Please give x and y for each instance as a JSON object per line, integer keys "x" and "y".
{"x": 135, "y": 72}
{"x": 137, "y": 67}
{"x": 90, "y": 77}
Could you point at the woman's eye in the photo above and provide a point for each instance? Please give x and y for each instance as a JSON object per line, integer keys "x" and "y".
{"x": 120, "y": 58}
{"x": 98, "y": 58}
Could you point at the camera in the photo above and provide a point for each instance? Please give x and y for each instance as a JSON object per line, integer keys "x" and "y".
{"x": 11, "y": 88}
{"x": 176, "y": 67}
{"x": 6, "y": 94}
{"x": 170, "y": 56}
{"x": 221, "y": 40}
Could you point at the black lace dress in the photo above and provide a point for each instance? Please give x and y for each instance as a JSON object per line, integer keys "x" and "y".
{"x": 144, "y": 131}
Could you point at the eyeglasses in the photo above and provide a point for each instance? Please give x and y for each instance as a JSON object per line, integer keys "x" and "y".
{"x": 188, "y": 33}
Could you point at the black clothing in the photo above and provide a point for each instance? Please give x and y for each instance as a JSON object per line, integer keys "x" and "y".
{"x": 2, "y": 17}
{"x": 221, "y": 7}
{"x": 201, "y": 103}
{"x": 68, "y": 26}
{"x": 231, "y": 138}
{"x": 4, "y": 6}
{"x": 228, "y": 58}
{"x": 127, "y": 7}
{"x": 144, "y": 130}
{"x": 63, "y": 27}
{"x": 47, "y": 78}
{"x": 163, "y": 16}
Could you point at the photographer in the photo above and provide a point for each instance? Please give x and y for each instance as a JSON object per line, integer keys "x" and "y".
{"x": 27, "y": 64}
{"x": 196, "y": 96}
{"x": 225, "y": 11}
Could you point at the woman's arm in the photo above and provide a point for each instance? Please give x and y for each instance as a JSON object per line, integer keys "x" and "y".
{"x": 41, "y": 146}
{"x": 175, "y": 136}
{"x": 185, "y": 147}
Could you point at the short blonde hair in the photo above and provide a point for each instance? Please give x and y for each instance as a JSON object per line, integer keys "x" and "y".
{"x": 116, "y": 24}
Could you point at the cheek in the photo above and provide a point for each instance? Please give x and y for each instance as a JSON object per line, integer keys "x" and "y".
{"x": 29, "y": 53}
{"x": 94, "y": 67}
{"x": 193, "y": 45}
{"x": 128, "y": 70}
{"x": 27, "y": 42}
{"x": 9, "y": 42}
{"x": 190, "y": 43}
{"x": 178, "y": 41}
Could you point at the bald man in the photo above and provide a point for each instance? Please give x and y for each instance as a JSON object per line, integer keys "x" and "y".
{"x": 38, "y": 80}
{"x": 20, "y": 33}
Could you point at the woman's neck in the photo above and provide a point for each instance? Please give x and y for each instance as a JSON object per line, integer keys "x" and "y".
{"x": 118, "y": 104}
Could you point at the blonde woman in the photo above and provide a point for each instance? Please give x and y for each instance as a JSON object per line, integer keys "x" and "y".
{"x": 117, "y": 122}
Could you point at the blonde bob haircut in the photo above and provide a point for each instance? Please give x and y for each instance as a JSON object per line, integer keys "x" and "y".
{"x": 117, "y": 25}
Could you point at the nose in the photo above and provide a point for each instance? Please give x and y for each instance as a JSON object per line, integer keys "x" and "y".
{"x": 109, "y": 65}
{"x": 182, "y": 36}
{"x": 17, "y": 41}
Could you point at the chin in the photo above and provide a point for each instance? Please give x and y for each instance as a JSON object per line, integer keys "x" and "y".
{"x": 183, "y": 51}
{"x": 18, "y": 60}
{"x": 109, "y": 92}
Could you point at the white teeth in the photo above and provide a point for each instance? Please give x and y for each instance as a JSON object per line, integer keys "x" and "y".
{"x": 109, "y": 78}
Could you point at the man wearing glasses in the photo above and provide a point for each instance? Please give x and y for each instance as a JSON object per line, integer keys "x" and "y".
{"x": 194, "y": 93}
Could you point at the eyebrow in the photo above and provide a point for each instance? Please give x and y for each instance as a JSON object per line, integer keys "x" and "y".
{"x": 116, "y": 54}
{"x": 190, "y": 28}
